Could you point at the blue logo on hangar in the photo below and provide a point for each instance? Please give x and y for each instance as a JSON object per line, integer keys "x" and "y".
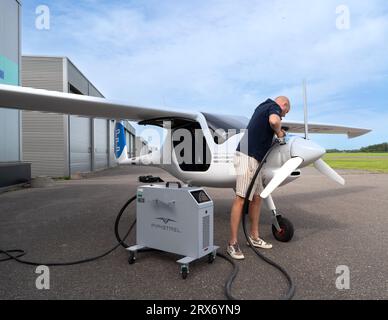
{"x": 1, "y": 74}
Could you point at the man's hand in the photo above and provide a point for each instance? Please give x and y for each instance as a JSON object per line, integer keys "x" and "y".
{"x": 282, "y": 141}
{"x": 281, "y": 137}
{"x": 281, "y": 134}
{"x": 276, "y": 125}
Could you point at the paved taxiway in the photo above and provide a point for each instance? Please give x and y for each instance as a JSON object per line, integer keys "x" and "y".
{"x": 74, "y": 219}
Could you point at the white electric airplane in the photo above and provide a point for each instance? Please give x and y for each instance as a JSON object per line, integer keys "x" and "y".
{"x": 215, "y": 166}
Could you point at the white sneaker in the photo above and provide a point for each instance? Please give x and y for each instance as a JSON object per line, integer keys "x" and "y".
{"x": 259, "y": 243}
{"x": 235, "y": 252}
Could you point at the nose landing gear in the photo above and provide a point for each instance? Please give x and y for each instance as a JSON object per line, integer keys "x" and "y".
{"x": 285, "y": 232}
{"x": 282, "y": 228}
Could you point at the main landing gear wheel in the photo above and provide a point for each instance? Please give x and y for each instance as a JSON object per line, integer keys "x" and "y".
{"x": 286, "y": 232}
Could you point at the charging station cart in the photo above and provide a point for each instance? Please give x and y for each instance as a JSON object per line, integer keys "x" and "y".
{"x": 177, "y": 220}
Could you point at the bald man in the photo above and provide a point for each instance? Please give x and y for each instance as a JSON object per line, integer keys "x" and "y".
{"x": 257, "y": 140}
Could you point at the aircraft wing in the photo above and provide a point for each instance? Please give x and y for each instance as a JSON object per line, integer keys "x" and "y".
{"x": 298, "y": 127}
{"x": 240, "y": 122}
{"x": 24, "y": 98}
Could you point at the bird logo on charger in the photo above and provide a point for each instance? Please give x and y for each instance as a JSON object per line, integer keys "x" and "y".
{"x": 165, "y": 220}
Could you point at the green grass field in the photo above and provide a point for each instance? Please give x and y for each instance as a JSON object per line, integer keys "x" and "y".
{"x": 373, "y": 162}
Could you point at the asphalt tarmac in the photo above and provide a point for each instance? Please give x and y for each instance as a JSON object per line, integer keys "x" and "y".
{"x": 335, "y": 226}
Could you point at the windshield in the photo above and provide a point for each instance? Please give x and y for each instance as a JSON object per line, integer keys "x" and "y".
{"x": 223, "y": 126}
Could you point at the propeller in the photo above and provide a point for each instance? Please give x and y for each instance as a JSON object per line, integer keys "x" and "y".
{"x": 289, "y": 167}
{"x": 302, "y": 151}
{"x": 306, "y": 152}
{"x": 327, "y": 171}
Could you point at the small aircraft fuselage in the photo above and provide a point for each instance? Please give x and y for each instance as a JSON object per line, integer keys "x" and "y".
{"x": 212, "y": 165}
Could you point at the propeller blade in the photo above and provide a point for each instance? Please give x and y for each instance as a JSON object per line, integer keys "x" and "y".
{"x": 327, "y": 171}
{"x": 289, "y": 167}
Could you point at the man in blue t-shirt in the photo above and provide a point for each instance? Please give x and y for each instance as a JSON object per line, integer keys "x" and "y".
{"x": 257, "y": 140}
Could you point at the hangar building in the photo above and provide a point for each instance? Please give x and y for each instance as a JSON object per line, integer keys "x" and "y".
{"x": 60, "y": 145}
{"x": 48, "y": 144}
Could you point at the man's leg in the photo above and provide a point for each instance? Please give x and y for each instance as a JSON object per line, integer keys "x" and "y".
{"x": 254, "y": 216}
{"x": 235, "y": 219}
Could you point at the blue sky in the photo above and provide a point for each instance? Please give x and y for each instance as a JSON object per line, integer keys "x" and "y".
{"x": 228, "y": 56}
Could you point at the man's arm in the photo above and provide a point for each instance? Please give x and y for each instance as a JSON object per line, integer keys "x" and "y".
{"x": 276, "y": 125}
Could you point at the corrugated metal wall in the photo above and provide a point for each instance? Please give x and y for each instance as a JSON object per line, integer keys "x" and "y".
{"x": 44, "y": 134}
{"x": 43, "y": 73}
{"x": 61, "y": 145}
{"x": 77, "y": 79}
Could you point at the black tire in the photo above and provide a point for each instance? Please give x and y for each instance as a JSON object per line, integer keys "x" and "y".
{"x": 287, "y": 232}
{"x": 131, "y": 259}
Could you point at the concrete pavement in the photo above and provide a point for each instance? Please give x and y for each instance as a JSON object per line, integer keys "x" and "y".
{"x": 74, "y": 219}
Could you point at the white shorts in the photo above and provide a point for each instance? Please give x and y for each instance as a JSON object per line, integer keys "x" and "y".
{"x": 246, "y": 167}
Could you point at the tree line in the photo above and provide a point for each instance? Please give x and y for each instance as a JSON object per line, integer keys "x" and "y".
{"x": 382, "y": 147}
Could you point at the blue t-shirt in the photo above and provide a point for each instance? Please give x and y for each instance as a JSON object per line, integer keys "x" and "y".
{"x": 260, "y": 133}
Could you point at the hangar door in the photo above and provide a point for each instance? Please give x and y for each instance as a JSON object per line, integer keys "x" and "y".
{"x": 101, "y": 146}
{"x": 80, "y": 145}
{"x": 128, "y": 137}
{"x": 112, "y": 143}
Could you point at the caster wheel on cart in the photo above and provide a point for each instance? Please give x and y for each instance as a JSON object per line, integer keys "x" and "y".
{"x": 211, "y": 257}
{"x": 287, "y": 230}
{"x": 132, "y": 258}
{"x": 184, "y": 272}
